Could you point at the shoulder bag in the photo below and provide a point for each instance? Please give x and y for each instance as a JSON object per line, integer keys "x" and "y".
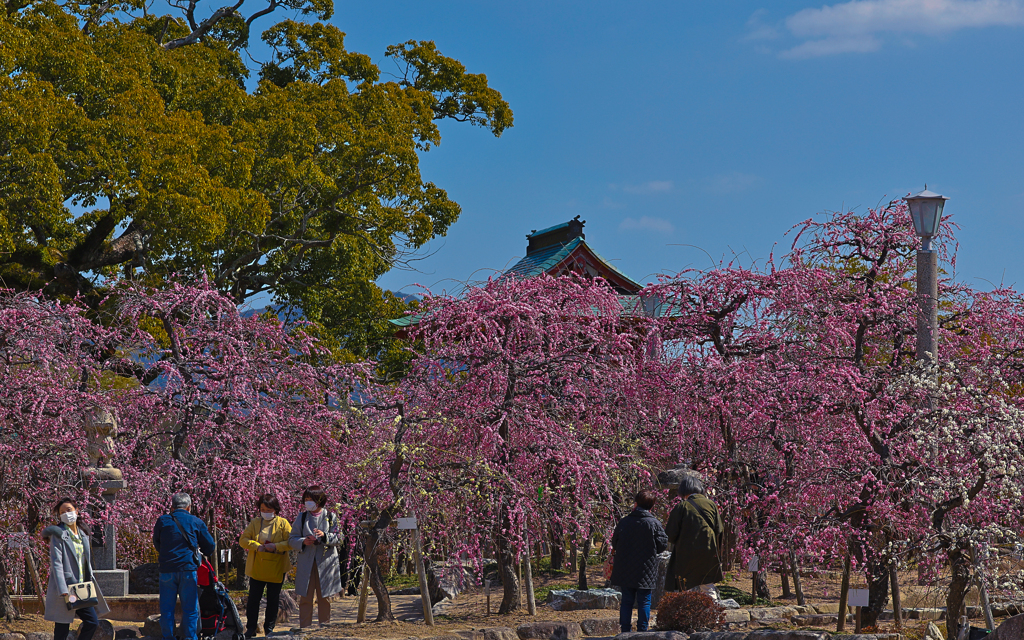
{"x": 197, "y": 555}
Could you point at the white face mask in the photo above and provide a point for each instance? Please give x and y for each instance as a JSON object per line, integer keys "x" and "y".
{"x": 310, "y": 505}
{"x": 69, "y": 517}
{"x": 267, "y": 516}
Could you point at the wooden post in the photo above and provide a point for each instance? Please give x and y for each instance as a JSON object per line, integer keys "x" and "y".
{"x": 487, "y": 594}
{"x": 979, "y": 575}
{"x": 34, "y": 571}
{"x": 786, "y": 591}
{"x": 364, "y": 593}
{"x": 844, "y": 593}
{"x": 428, "y": 614}
{"x": 519, "y": 577}
{"x": 531, "y": 604}
{"x": 795, "y": 568}
{"x": 856, "y": 621}
{"x": 897, "y": 600}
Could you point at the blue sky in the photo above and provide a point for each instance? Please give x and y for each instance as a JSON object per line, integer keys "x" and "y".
{"x": 683, "y": 130}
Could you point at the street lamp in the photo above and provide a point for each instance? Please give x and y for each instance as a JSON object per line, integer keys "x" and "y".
{"x": 926, "y": 210}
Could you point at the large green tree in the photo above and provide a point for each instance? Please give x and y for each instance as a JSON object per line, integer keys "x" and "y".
{"x": 139, "y": 145}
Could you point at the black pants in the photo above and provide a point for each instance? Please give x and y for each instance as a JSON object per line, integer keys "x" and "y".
{"x": 90, "y": 623}
{"x": 252, "y": 609}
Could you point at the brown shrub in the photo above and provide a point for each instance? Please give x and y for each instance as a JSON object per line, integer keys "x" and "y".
{"x": 689, "y": 611}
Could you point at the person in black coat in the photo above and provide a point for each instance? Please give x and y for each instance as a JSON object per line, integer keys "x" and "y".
{"x": 637, "y": 541}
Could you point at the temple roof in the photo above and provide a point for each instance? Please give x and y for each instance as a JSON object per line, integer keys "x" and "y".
{"x": 563, "y": 249}
{"x": 576, "y": 256}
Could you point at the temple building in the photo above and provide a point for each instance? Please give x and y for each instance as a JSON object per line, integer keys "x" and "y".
{"x": 562, "y": 249}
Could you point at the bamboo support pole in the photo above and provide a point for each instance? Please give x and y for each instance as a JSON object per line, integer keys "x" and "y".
{"x": 797, "y": 585}
{"x": 982, "y": 590}
{"x": 34, "y": 571}
{"x": 531, "y": 604}
{"x": 364, "y": 592}
{"x": 897, "y": 600}
{"x": 428, "y": 614}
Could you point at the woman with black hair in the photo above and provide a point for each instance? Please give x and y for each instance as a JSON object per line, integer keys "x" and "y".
{"x": 266, "y": 543}
{"x": 70, "y": 563}
{"x": 316, "y": 535}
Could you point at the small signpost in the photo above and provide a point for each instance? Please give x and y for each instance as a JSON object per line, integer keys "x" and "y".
{"x": 858, "y": 598}
{"x": 752, "y": 566}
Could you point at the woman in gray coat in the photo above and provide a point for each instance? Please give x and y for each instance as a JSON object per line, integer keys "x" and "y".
{"x": 316, "y": 535}
{"x": 70, "y": 563}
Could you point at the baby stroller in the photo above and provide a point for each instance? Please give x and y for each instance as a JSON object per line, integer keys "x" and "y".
{"x": 217, "y": 610}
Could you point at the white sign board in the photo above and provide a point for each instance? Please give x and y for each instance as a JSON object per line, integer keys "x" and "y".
{"x": 753, "y": 564}
{"x": 225, "y": 556}
{"x": 858, "y": 597}
{"x": 406, "y": 523}
{"x": 18, "y": 541}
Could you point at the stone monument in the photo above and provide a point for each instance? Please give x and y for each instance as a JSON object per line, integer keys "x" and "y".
{"x": 100, "y": 428}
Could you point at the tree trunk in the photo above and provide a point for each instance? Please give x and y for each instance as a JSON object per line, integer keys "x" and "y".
{"x": 761, "y": 591}
{"x": 786, "y": 592}
{"x": 878, "y": 591}
{"x": 727, "y": 552}
{"x": 372, "y": 554}
{"x": 557, "y": 558}
{"x": 241, "y": 581}
{"x": 29, "y": 589}
{"x": 511, "y": 597}
{"x": 401, "y": 562}
{"x": 960, "y": 583}
{"x": 557, "y": 546}
{"x": 573, "y": 556}
{"x": 7, "y": 610}
{"x": 583, "y": 563}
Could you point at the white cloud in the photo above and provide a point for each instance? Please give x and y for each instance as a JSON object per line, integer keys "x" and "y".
{"x": 734, "y": 182}
{"x": 646, "y": 223}
{"x": 758, "y": 29}
{"x": 832, "y": 46}
{"x": 853, "y": 27}
{"x": 653, "y": 186}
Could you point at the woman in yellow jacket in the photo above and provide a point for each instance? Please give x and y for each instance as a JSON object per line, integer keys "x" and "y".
{"x": 266, "y": 543}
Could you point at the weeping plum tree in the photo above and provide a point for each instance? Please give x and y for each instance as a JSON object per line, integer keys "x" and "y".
{"x": 792, "y": 382}
{"x": 522, "y": 386}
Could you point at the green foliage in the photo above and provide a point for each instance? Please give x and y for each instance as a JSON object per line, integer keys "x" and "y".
{"x": 540, "y": 594}
{"x": 130, "y": 146}
{"x": 400, "y": 581}
{"x": 741, "y": 597}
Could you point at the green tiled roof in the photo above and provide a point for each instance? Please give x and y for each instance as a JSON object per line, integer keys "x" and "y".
{"x": 542, "y": 261}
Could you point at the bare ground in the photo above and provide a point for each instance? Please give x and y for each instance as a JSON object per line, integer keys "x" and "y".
{"x": 469, "y": 610}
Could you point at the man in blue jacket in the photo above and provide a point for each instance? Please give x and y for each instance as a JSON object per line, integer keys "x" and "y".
{"x": 176, "y": 536}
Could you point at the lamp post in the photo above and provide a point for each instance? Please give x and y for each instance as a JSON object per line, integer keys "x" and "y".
{"x": 926, "y": 210}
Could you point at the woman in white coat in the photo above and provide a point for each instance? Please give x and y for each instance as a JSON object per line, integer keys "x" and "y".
{"x": 70, "y": 563}
{"x": 316, "y": 535}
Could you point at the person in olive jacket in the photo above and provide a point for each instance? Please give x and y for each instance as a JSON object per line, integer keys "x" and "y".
{"x": 695, "y": 530}
{"x": 637, "y": 541}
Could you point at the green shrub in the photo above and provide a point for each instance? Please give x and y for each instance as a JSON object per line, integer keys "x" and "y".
{"x": 689, "y": 611}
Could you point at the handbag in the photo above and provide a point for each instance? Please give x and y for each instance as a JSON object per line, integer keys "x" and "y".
{"x": 197, "y": 555}
{"x": 609, "y": 566}
{"x": 82, "y": 595}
